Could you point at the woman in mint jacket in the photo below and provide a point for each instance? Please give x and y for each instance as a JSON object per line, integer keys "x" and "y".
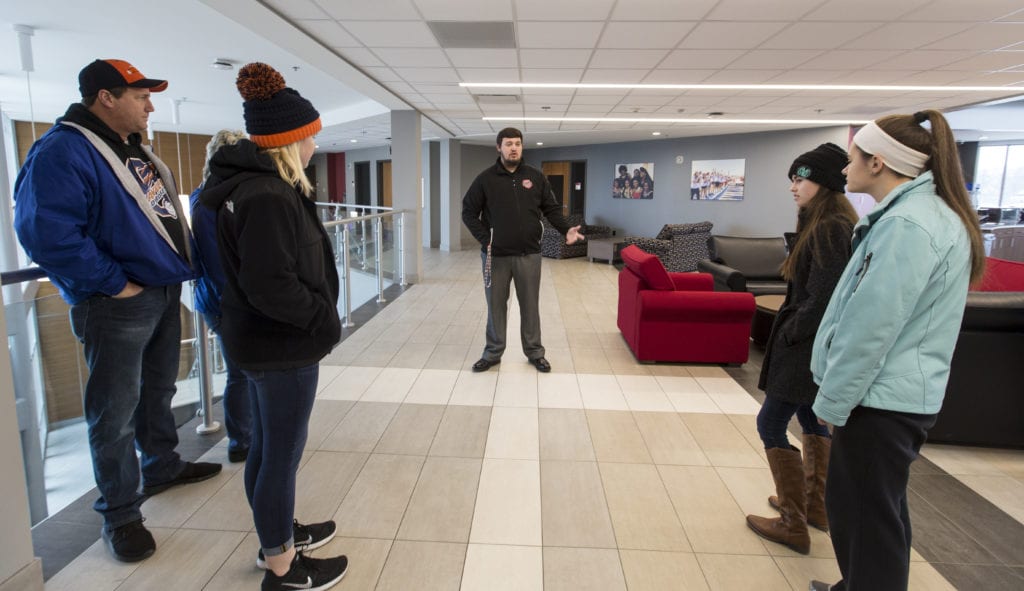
{"x": 882, "y": 352}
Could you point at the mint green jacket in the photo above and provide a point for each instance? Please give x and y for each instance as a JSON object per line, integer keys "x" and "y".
{"x": 888, "y": 333}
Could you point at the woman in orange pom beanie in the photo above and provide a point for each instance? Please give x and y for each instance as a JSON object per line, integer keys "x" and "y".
{"x": 279, "y": 311}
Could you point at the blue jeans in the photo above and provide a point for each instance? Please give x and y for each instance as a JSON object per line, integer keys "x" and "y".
{"x": 774, "y": 418}
{"x": 132, "y": 348}
{"x": 282, "y": 401}
{"x": 237, "y": 408}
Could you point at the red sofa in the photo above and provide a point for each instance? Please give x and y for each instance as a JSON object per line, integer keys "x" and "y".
{"x": 677, "y": 316}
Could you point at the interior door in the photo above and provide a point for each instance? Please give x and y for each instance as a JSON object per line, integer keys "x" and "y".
{"x": 362, "y": 182}
{"x": 558, "y": 175}
{"x": 384, "y": 183}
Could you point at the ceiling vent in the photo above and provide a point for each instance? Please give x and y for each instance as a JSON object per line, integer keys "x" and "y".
{"x": 497, "y": 99}
{"x": 474, "y": 35}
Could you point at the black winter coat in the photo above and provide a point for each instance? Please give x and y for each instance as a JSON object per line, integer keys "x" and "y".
{"x": 511, "y": 204}
{"x": 279, "y": 306}
{"x": 786, "y": 370}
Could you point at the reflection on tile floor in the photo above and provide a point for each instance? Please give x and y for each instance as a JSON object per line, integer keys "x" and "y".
{"x": 601, "y": 475}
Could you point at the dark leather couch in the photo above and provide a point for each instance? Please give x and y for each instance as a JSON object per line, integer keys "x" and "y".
{"x": 746, "y": 264}
{"x": 984, "y": 402}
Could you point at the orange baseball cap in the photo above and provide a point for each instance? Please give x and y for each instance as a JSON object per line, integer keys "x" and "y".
{"x": 107, "y": 74}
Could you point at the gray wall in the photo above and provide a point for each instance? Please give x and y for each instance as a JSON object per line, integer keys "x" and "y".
{"x": 372, "y": 155}
{"x": 474, "y": 160}
{"x": 766, "y": 210}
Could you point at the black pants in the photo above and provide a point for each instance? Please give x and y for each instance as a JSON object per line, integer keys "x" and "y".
{"x": 866, "y": 496}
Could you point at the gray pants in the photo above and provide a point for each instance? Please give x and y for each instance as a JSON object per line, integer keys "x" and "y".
{"x": 525, "y": 271}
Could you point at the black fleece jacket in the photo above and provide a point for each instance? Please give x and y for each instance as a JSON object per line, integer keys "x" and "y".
{"x": 280, "y": 299}
{"x": 511, "y": 204}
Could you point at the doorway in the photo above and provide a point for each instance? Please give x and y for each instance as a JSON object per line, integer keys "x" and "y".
{"x": 568, "y": 183}
{"x": 361, "y": 178}
{"x": 384, "y": 183}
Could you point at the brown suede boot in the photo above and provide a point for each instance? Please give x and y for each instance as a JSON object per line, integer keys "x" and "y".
{"x": 790, "y": 528}
{"x": 816, "y": 452}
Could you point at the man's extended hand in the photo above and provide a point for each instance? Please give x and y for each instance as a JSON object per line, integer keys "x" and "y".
{"x": 573, "y": 235}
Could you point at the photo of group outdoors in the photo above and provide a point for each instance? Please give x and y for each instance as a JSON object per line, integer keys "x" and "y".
{"x": 718, "y": 180}
{"x": 634, "y": 181}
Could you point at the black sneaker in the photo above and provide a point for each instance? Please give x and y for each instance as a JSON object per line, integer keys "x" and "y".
{"x": 238, "y": 454}
{"x": 313, "y": 574}
{"x": 131, "y": 542}
{"x": 192, "y": 472}
{"x": 307, "y": 537}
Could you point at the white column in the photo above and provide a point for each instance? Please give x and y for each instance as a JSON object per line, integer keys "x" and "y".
{"x": 451, "y": 195}
{"x": 407, "y": 186}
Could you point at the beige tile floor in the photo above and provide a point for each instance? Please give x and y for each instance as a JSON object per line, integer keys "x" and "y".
{"x": 604, "y": 474}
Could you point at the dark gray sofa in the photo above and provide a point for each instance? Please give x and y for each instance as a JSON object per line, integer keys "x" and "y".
{"x": 746, "y": 264}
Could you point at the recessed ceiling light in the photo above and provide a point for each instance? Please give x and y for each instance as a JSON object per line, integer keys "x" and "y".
{"x": 540, "y": 143}
{"x": 655, "y": 133}
{"x": 222, "y": 64}
{"x": 353, "y": 141}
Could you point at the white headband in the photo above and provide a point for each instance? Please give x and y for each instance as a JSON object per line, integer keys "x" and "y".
{"x": 906, "y": 161}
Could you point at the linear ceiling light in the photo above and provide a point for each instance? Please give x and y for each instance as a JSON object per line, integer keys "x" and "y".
{"x": 835, "y": 87}
{"x": 687, "y": 120}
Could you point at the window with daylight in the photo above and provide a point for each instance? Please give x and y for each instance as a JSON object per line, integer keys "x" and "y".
{"x": 999, "y": 176}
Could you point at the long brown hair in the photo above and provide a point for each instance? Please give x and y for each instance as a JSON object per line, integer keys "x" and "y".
{"x": 827, "y": 207}
{"x": 944, "y": 162}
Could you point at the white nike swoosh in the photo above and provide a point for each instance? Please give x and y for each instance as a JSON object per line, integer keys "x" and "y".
{"x": 307, "y": 585}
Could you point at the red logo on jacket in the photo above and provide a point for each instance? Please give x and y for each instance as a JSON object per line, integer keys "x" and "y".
{"x": 527, "y": 184}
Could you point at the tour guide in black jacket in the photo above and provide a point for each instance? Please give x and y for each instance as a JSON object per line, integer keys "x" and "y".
{"x": 502, "y": 208}
{"x": 276, "y": 320}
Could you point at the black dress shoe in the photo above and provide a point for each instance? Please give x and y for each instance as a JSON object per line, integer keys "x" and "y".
{"x": 484, "y": 365}
{"x": 193, "y": 472}
{"x": 238, "y": 454}
{"x": 541, "y": 364}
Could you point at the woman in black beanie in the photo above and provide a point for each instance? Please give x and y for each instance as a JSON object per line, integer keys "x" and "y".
{"x": 816, "y": 260}
{"x": 279, "y": 311}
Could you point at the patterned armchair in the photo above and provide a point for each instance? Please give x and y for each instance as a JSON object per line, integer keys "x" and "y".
{"x": 552, "y": 243}
{"x": 679, "y": 246}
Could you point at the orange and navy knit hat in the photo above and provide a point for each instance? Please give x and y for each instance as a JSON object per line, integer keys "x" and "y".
{"x": 275, "y": 115}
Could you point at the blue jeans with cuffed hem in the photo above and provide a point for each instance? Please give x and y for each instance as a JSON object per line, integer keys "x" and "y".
{"x": 282, "y": 402}
{"x": 237, "y": 406}
{"x": 132, "y": 348}
{"x": 774, "y": 417}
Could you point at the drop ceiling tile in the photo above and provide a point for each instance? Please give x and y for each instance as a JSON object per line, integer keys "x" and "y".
{"x": 701, "y": 58}
{"x": 975, "y": 10}
{"x": 562, "y": 35}
{"x": 849, "y": 59}
{"x": 426, "y": 88}
{"x": 489, "y": 74}
{"x": 627, "y": 58}
{"x": 610, "y": 76}
{"x": 566, "y": 93}
{"x": 383, "y": 74}
{"x": 774, "y": 59}
{"x": 906, "y": 35}
{"x": 627, "y": 110}
{"x": 665, "y": 76}
{"x": 392, "y": 34}
{"x": 483, "y": 58}
{"x": 562, "y": 10}
{"x": 297, "y": 9}
{"x": 983, "y": 36}
{"x": 741, "y": 76}
{"x": 873, "y": 77}
{"x": 359, "y": 56}
{"x": 648, "y": 100}
{"x": 995, "y": 79}
{"x": 552, "y": 75}
{"x": 638, "y": 10}
{"x": 412, "y": 58}
{"x": 328, "y": 32}
{"x": 882, "y": 10}
{"x": 922, "y": 60}
{"x": 554, "y": 58}
{"x": 465, "y": 10}
{"x": 728, "y": 10}
{"x": 644, "y": 35}
{"x": 818, "y": 35}
{"x": 431, "y": 75}
{"x": 450, "y": 99}
{"x": 802, "y": 76}
{"x": 549, "y": 100}
{"x": 935, "y": 78}
{"x": 995, "y": 60}
{"x": 378, "y": 10}
{"x": 731, "y": 35}
{"x": 596, "y": 100}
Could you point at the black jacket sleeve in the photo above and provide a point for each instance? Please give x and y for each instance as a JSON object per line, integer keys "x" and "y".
{"x": 473, "y": 204}
{"x": 828, "y": 261}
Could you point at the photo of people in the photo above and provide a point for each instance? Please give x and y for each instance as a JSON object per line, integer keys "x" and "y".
{"x": 718, "y": 180}
{"x": 634, "y": 181}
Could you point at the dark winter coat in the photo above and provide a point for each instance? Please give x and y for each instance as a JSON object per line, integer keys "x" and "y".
{"x": 279, "y": 305}
{"x": 786, "y": 370}
{"x": 510, "y": 204}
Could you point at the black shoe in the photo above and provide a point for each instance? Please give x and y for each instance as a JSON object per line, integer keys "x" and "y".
{"x": 541, "y": 364}
{"x": 313, "y": 574}
{"x": 819, "y": 586}
{"x": 307, "y": 537}
{"x": 131, "y": 542}
{"x": 484, "y": 365}
{"x": 193, "y": 472}
{"x": 238, "y": 454}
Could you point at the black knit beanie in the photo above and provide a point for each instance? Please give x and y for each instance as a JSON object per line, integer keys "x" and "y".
{"x": 823, "y": 165}
{"x": 275, "y": 115}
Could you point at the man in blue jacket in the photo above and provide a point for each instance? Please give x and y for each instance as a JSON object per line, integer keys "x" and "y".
{"x": 99, "y": 212}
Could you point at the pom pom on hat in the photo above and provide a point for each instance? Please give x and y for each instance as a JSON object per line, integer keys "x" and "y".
{"x": 823, "y": 165}
{"x": 275, "y": 115}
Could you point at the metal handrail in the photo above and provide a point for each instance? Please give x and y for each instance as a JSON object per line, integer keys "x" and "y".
{"x": 21, "y": 275}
